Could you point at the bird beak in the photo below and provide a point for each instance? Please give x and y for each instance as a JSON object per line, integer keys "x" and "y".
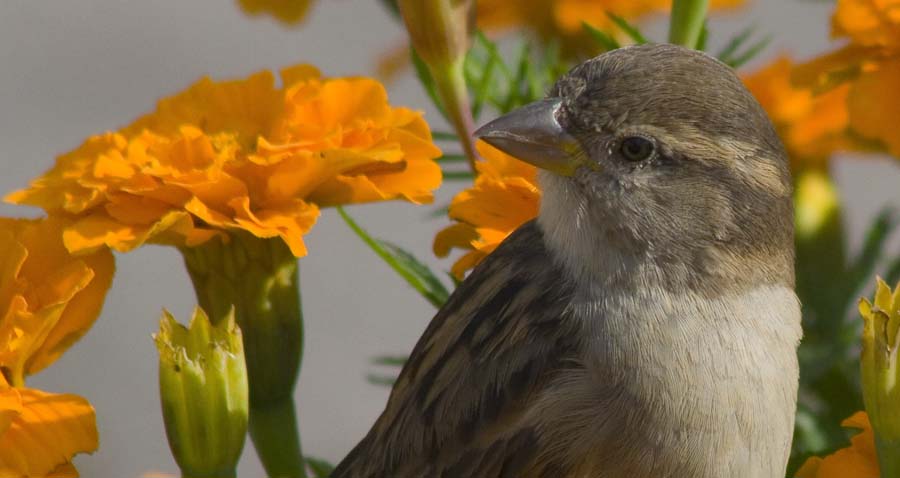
{"x": 532, "y": 134}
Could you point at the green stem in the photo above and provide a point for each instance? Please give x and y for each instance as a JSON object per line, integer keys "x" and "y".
{"x": 260, "y": 279}
{"x": 273, "y": 428}
{"x": 888, "y": 457}
{"x": 228, "y": 474}
{"x": 686, "y": 22}
{"x": 451, "y": 86}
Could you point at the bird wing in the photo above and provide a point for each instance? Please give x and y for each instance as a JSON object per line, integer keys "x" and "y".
{"x": 457, "y": 406}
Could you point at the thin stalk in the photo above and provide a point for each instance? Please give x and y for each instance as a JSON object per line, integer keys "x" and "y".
{"x": 686, "y": 22}
{"x": 451, "y": 86}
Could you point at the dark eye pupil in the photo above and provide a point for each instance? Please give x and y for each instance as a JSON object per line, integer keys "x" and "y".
{"x": 636, "y": 148}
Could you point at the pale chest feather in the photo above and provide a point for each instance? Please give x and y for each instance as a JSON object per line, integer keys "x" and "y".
{"x": 681, "y": 386}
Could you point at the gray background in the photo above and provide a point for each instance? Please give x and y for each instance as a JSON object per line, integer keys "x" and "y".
{"x": 77, "y": 67}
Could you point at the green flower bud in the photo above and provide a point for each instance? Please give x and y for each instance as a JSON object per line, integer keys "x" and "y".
{"x": 439, "y": 29}
{"x": 881, "y": 373}
{"x": 440, "y": 32}
{"x": 204, "y": 393}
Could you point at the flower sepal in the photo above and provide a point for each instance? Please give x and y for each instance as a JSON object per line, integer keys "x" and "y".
{"x": 881, "y": 372}
{"x": 204, "y": 393}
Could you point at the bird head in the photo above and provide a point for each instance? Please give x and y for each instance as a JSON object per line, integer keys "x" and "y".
{"x": 658, "y": 155}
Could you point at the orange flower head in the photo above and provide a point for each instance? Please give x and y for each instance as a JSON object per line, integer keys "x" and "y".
{"x": 288, "y": 12}
{"x": 563, "y": 19}
{"x": 48, "y": 299}
{"x": 812, "y": 126}
{"x": 40, "y": 432}
{"x": 239, "y": 155}
{"x": 869, "y": 66}
{"x": 868, "y": 22}
{"x": 505, "y": 195}
{"x": 859, "y": 460}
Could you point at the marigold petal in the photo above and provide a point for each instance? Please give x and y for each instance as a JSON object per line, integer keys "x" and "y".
{"x": 299, "y": 73}
{"x": 47, "y": 432}
{"x": 47, "y": 297}
{"x": 873, "y": 101}
{"x": 289, "y": 12}
{"x": 457, "y": 235}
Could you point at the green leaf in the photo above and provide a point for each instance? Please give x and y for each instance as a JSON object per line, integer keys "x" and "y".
{"x": 735, "y": 43}
{"x": 416, "y": 274}
{"x": 704, "y": 37}
{"x": 872, "y": 250}
{"x": 444, "y": 136}
{"x": 381, "y": 380}
{"x": 604, "y": 40}
{"x": 892, "y": 274}
{"x": 390, "y": 360}
{"x": 736, "y": 53}
{"x": 452, "y": 158}
{"x": 751, "y": 53}
{"x": 458, "y": 175}
{"x": 629, "y": 29}
{"x": 319, "y": 467}
{"x": 440, "y": 211}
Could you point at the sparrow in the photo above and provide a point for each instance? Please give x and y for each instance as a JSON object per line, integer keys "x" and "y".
{"x": 645, "y": 323}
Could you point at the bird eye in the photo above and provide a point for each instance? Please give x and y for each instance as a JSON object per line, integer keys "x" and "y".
{"x": 636, "y": 148}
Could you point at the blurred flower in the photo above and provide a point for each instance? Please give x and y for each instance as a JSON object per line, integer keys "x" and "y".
{"x": 288, "y": 12}
{"x": 856, "y": 461}
{"x": 869, "y": 64}
{"x": 812, "y": 126}
{"x": 240, "y": 155}
{"x": 48, "y": 298}
{"x": 40, "y": 432}
{"x": 562, "y": 19}
{"x": 881, "y": 372}
{"x": 505, "y": 195}
{"x": 204, "y": 393}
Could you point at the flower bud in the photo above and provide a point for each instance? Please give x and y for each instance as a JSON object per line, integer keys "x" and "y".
{"x": 439, "y": 29}
{"x": 204, "y": 393}
{"x": 881, "y": 373}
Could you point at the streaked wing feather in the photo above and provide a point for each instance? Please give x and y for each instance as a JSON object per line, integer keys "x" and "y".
{"x": 458, "y": 405}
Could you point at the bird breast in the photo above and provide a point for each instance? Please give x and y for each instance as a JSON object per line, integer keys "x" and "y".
{"x": 680, "y": 385}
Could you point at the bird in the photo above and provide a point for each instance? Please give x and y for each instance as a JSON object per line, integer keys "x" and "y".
{"x": 645, "y": 323}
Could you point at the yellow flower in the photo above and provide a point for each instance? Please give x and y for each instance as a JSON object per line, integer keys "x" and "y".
{"x": 288, "y": 12}
{"x": 856, "y": 461}
{"x": 812, "y": 126}
{"x": 40, "y": 432}
{"x": 505, "y": 195}
{"x": 564, "y": 18}
{"x": 870, "y": 64}
{"x": 239, "y": 155}
{"x": 48, "y": 299}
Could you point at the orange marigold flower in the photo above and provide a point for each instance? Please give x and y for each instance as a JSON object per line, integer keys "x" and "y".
{"x": 288, "y": 12}
{"x": 859, "y": 460}
{"x": 240, "y": 155}
{"x": 870, "y": 65}
{"x": 40, "y": 432}
{"x": 564, "y": 18}
{"x": 505, "y": 195}
{"x": 48, "y": 299}
{"x": 812, "y": 126}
